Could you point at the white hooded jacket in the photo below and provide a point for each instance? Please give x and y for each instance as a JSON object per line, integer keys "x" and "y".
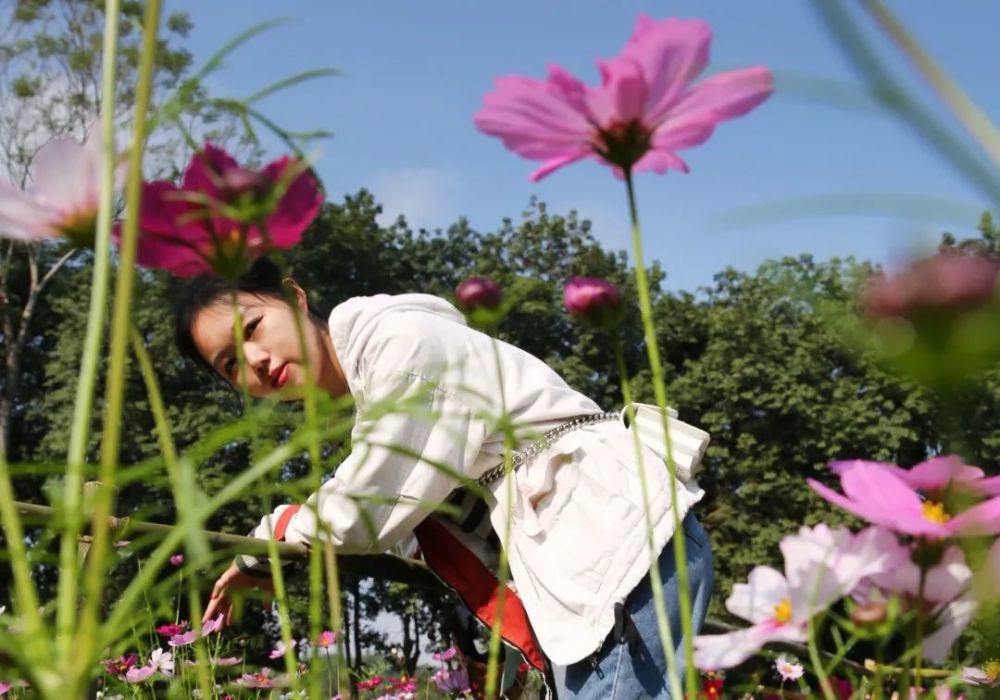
{"x": 578, "y": 538}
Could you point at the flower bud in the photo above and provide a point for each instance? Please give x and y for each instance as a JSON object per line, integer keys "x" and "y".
{"x": 594, "y": 301}
{"x": 943, "y": 282}
{"x": 478, "y": 293}
{"x": 869, "y": 613}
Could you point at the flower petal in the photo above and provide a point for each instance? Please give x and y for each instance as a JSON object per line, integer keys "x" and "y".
{"x": 66, "y": 175}
{"x": 756, "y": 599}
{"x": 671, "y": 53}
{"x": 297, "y": 208}
{"x": 24, "y": 218}
{"x": 981, "y": 519}
{"x": 723, "y": 96}
{"x": 953, "y": 620}
{"x": 720, "y": 651}
{"x": 204, "y": 171}
{"x": 534, "y": 118}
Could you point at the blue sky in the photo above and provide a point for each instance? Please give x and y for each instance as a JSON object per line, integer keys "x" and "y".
{"x": 414, "y": 73}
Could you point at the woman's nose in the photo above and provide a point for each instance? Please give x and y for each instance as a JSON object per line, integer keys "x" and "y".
{"x": 257, "y": 357}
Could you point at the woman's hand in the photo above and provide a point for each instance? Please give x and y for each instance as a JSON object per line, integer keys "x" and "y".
{"x": 225, "y": 593}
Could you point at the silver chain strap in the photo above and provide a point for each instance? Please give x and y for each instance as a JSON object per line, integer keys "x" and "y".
{"x": 546, "y": 441}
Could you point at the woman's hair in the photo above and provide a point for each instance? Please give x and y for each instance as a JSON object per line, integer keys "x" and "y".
{"x": 263, "y": 279}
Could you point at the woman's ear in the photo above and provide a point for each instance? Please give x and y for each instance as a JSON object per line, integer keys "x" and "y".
{"x": 301, "y": 300}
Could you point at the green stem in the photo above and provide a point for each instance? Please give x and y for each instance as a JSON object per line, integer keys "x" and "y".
{"x": 90, "y": 361}
{"x": 817, "y": 661}
{"x": 656, "y": 583}
{"x": 87, "y": 645}
{"x": 492, "y": 661}
{"x": 36, "y": 646}
{"x": 659, "y": 390}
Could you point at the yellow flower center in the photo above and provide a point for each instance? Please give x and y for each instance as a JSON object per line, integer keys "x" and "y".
{"x": 783, "y": 611}
{"x": 935, "y": 512}
{"x": 992, "y": 670}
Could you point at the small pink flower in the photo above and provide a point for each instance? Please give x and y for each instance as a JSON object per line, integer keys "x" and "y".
{"x": 644, "y": 111}
{"x": 942, "y": 282}
{"x": 593, "y": 300}
{"x": 138, "y": 675}
{"x": 279, "y": 649}
{"x": 121, "y": 665}
{"x": 177, "y": 559}
{"x": 4, "y": 688}
{"x": 172, "y": 629}
{"x": 62, "y": 200}
{"x": 879, "y": 496}
{"x": 226, "y": 661}
{"x": 326, "y": 639}
{"x": 212, "y": 626}
{"x": 182, "y": 640}
{"x": 788, "y": 669}
{"x": 445, "y": 655}
{"x": 451, "y": 680}
{"x": 264, "y": 678}
{"x": 202, "y": 226}
{"x": 373, "y": 682}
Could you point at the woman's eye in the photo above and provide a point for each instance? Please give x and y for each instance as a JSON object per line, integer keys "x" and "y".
{"x": 250, "y": 327}
{"x": 229, "y": 367}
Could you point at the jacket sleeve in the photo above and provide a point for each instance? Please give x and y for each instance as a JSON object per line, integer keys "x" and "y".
{"x": 411, "y": 440}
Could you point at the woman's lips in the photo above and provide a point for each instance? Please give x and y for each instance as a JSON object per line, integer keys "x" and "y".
{"x": 280, "y": 376}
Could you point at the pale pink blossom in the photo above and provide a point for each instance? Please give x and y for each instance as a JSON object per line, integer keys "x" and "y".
{"x": 646, "y": 108}
{"x": 264, "y": 678}
{"x": 446, "y": 655}
{"x": 279, "y": 649}
{"x": 63, "y": 197}
{"x": 987, "y": 675}
{"x": 946, "y": 281}
{"x": 821, "y": 566}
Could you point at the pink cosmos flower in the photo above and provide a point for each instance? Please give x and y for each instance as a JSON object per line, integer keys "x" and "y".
{"x": 4, "y": 688}
{"x": 177, "y": 559}
{"x": 185, "y": 638}
{"x": 645, "y": 109}
{"x": 373, "y": 682}
{"x": 62, "y": 200}
{"x": 121, "y": 665}
{"x": 326, "y": 639}
{"x": 279, "y": 649}
{"x": 935, "y": 476}
{"x": 213, "y": 220}
{"x": 264, "y": 678}
{"x": 212, "y": 626}
{"x": 596, "y": 301}
{"x": 821, "y": 566}
{"x": 160, "y": 661}
{"x": 946, "y": 281}
{"x": 987, "y": 675}
{"x": 881, "y": 497}
{"x": 450, "y": 680}
{"x": 172, "y": 629}
{"x": 446, "y": 655}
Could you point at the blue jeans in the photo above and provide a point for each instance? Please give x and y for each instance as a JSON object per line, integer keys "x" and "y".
{"x": 638, "y": 669}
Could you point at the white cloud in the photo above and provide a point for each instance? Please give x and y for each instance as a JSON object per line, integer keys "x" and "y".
{"x": 425, "y": 196}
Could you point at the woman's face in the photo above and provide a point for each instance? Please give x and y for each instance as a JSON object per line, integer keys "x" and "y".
{"x": 275, "y": 362}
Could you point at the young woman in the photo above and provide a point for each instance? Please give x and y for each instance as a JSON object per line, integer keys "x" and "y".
{"x": 578, "y": 548}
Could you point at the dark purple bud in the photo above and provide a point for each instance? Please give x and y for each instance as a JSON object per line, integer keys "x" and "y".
{"x": 478, "y": 293}
{"x": 594, "y": 301}
{"x": 943, "y": 282}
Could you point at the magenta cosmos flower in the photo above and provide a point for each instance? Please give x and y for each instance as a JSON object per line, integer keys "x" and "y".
{"x": 222, "y": 216}
{"x": 644, "y": 110}
{"x": 62, "y": 200}
{"x": 880, "y": 496}
{"x": 594, "y": 301}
